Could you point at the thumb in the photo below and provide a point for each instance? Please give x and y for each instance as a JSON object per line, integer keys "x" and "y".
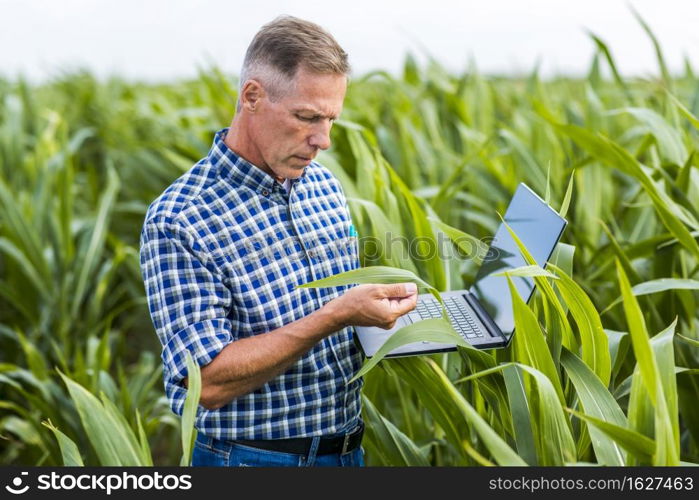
{"x": 400, "y": 290}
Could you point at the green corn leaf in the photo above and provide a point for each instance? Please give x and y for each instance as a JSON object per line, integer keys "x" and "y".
{"x": 667, "y": 446}
{"x": 395, "y": 254}
{"x": 531, "y": 167}
{"x": 395, "y": 447}
{"x": 598, "y": 402}
{"x": 594, "y": 342}
{"x": 373, "y": 274}
{"x": 124, "y": 429}
{"x": 634, "y": 443}
{"x": 641, "y": 413}
{"x": 493, "y": 388}
{"x": 664, "y": 71}
{"x": 433, "y": 330}
{"x": 689, "y": 411}
{"x": 684, "y": 111}
{"x": 602, "y": 47}
{"x": 108, "y": 436}
{"x": 639, "y": 337}
{"x": 11, "y": 250}
{"x": 618, "y": 348}
{"x": 620, "y": 254}
{"x": 568, "y": 196}
{"x": 527, "y": 272}
{"x": 530, "y": 344}
{"x": 22, "y": 235}
{"x": 689, "y": 341}
{"x": 189, "y": 412}
{"x": 423, "y": 232}
{"x": 658, "y": 286}
{"x": 146, "y": 455}
{"x": 563, "y": 256}
{"x": 664, "y": 284}
{"x": 91, "y": 255}
{"x": 556, "y": 443}
{"x": 667, "y": 137}
{"x": 470, "y": 245}
{"x": 69, "y": 450}
{"x": 24, "y": 429}
{"x": 451, "y": 410}
{"x": 520, "y": 410}
{"x": 562, "y": 327}
{"x": 35, "y": 360}
{"x": 663, "y": 349}
{"x": 610, "y": 153}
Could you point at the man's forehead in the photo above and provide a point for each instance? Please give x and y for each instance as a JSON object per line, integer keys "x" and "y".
{"x": 320, "y": 102}
{"x": 317, "y": 93}
{"x": 325, "y": 111}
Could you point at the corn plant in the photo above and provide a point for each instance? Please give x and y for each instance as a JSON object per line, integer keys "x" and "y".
{"x": 603, "y": 365}
{"x": 113, "y": 439}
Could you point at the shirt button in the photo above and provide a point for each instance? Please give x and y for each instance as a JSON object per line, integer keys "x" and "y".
{"x": 265, "y": 192}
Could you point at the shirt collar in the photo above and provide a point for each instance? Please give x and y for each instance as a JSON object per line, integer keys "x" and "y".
{"x": 240, "y": 171}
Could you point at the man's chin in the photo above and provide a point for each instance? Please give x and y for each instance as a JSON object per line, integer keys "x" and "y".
{"x": 298, "y": 164}
{"x": 301, "y": 164}
{"x": 293, "y": 171}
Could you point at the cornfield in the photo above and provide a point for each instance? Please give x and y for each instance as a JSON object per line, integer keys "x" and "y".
{"x": 602, "y": 369}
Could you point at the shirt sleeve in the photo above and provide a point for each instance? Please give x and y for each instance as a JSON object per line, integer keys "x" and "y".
{"x": 188, "y": 301}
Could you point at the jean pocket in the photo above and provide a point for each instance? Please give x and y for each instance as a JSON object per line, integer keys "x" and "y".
{"x": 247, "y": 456}
{"x": 206, "y": 456}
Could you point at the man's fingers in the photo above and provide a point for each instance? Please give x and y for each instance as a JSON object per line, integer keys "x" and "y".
{"x": 400, "y": 290}
{"x": 404, "y": 305}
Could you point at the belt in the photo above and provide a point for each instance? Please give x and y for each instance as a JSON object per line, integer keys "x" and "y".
{"x": 302, "y": 446}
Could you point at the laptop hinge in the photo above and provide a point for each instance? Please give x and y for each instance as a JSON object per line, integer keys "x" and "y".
{"x": 485, "y": 318}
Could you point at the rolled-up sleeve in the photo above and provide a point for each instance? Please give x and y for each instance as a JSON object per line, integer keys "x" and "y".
{"x": 187, "y": 298}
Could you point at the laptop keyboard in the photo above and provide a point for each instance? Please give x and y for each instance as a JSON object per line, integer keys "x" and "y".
{"x": 460, "y": 318}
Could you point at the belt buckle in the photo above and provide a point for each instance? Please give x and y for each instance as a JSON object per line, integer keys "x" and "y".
{"x": 345, "y": 444}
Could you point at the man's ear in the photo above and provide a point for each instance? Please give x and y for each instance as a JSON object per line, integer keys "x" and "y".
{"x": 251, "y": 94}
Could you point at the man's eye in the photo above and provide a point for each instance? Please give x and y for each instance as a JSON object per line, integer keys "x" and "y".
{"x": 306, "y": 118}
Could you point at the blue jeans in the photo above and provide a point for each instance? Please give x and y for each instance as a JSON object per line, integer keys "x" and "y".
{"x": 212, "y": 452}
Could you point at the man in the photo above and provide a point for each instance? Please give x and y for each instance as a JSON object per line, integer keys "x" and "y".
{"x": 224, "y": 248}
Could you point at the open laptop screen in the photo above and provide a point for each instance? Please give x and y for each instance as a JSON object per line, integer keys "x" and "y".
{"x": 539, "y": 227}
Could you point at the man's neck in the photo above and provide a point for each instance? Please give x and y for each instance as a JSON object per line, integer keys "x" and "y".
{"x": 238, "y": 141}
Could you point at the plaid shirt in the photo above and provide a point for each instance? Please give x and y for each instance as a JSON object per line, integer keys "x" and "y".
{"x": 222, "y": 251}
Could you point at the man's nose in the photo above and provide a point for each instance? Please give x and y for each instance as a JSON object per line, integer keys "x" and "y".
{"x": 321, "y": 136}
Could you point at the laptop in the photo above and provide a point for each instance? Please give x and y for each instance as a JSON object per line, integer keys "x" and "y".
{"x": 482, "y": 315}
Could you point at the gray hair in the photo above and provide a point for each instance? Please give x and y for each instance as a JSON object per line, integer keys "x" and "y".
{"x": 282, "y": 46}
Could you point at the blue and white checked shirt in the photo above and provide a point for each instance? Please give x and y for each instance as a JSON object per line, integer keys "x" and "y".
{"x": 222, "y": 251}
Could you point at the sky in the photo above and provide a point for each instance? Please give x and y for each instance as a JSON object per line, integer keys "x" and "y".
{"x": 158, "y": 40}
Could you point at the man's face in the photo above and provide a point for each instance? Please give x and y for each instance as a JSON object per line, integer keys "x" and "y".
{"x": 289, "y": 133}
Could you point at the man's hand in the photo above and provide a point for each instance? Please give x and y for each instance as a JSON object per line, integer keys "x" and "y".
{"x": 374, "y": 305}
{"x": 246, "y": 364}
